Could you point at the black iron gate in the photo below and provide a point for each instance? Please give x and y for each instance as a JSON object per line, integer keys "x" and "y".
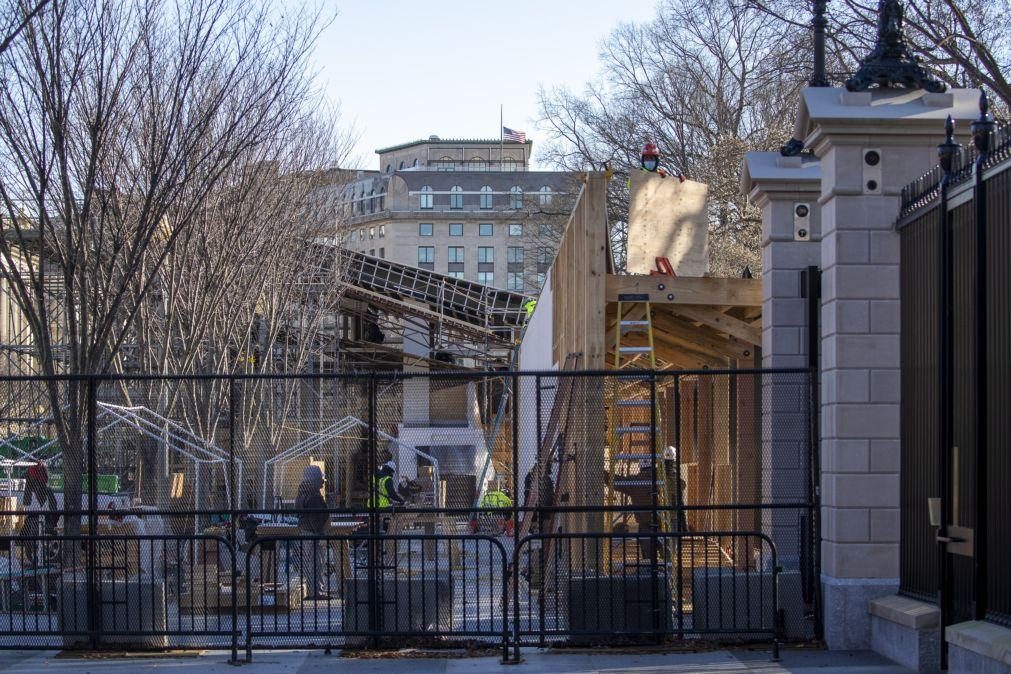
{"x": 956, "y": 350}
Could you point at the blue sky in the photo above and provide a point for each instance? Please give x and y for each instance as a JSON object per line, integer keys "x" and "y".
{"x": 406, "y": 69}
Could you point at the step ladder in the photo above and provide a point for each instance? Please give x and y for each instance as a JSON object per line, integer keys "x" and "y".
{"x": 631, "y": 421}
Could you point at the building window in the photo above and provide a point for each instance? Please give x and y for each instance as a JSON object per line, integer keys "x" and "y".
{"x": 515, "y": 197}
{"x": 546, "y": 196}
{"x": 361, "y": 234}
{"x": 426, "y": 229}
{"x": 508, "y": 164}
{"x": 486, "y": 277}
{"x": 515, "y": 280}
{"x": 486, "y": 197}
{"x": 456, "y": 229}
{"x": 515, "y": 229}
{"x": 446, "y": 164}
{"x": 541, "y": 278}
{"x": 425, "y": 198}
{"x": 353, "y": 237}
{"x": 456, "y": 197}
{"x": 401, "y": 166}
{"x": 372, "y": 201}
{"x": 486, "y": 255}
{"x": 544, "y": 256}
{"x": 456, "y": 254}
{"x": 514, "y": 255}
{"x": 456, "y": 274}
{"x": 484, "y": 229}
{"x": 372, "y": 232}
{"x": 372, "y": 252}
{"x": 414, "y": 164}
{"x": 477, "y": 164}
{"x": 382, "y": 199}
{"x": 389, "y": 168}
{"x": 426, "y": 255}
{"x": 382, "y": 252}
{"x": 545, "y": 231}
{"x": 382, "y": 231}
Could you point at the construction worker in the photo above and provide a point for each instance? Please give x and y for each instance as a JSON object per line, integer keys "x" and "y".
{"x": 383, "y": 494}
{"x": 530, "y": 305}
{"x": 499, "y": 498}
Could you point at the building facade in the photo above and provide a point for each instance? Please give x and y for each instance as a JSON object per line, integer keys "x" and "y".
{"x": 471, "y": 209}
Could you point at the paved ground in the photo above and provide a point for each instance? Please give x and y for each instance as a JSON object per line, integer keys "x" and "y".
{"x": 315, "y": 662}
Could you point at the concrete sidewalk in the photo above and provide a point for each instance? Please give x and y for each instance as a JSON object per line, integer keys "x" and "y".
{"x": 535, "y": 662}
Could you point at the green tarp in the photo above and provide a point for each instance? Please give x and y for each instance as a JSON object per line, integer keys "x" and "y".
{"x": 107, "y": 484}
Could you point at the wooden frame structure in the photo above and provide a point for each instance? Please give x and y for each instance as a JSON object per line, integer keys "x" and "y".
{"x": 698, "y": 322}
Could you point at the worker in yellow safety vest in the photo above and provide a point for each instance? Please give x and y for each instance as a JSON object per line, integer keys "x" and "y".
{"x": 383, "y": 493}
{"x": 530, "y": 305}
{"x": 498, "y": 498}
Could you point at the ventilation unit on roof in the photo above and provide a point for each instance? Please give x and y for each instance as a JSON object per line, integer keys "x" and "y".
{"x": 433, "y": 137}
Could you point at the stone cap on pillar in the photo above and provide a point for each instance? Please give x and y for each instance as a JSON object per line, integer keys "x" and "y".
{"x": 902, "y": 115}
{"x": 767, "y": 173}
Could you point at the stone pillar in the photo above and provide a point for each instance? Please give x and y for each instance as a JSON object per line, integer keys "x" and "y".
{"x": 786, "y": 189}
{"x": 869, "y": 145}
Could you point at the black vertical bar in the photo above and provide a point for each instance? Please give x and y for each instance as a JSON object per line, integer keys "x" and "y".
{"x": 654, "y": 504}
{"x": 679, "y": 502}
{"x": 947, "y": 151}
{"x": 374, "y": 550}
{"x": 512, "y": 575}
{"x": 233, "y": 519}
{"x": 818, "y": 24}
{"x": 811, "y": 291}
{"x": 94, "y": 612}
{"x": 981, "y": 137}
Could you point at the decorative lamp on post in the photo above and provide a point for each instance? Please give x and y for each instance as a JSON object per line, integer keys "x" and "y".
{"x": 650, "y": 159}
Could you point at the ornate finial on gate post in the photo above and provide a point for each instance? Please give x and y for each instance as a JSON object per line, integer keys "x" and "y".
{"x": 890, "y": 63}
{"x": 982, "y": 128}
{"x": 948, "y": 150}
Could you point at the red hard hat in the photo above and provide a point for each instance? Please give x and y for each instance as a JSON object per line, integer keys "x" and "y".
{"x": 650, "y": 150}
{"x": 38, "y": 472}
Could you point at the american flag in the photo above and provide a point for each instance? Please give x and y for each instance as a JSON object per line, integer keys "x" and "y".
{"x": 513, "y": 136}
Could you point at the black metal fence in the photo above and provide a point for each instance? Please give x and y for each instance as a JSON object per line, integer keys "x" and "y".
{"x": 522, "y": 509}
{"x": 956, "y": 354}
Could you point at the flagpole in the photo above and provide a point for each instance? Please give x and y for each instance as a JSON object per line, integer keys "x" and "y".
{"x": 501, "y": 132}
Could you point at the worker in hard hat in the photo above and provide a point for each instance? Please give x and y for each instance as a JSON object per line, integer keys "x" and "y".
{"x": 496, "y": 500}
{"x": 383, "y": 494}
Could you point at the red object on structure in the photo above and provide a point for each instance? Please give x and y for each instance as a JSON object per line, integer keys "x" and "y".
{"x": 663, "y": 268}
{"x": 38, "y": 472}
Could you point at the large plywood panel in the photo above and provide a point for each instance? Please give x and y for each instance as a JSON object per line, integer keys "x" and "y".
{"x": 667, "y": 218}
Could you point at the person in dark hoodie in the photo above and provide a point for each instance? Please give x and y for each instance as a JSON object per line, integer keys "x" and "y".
{"x": 312, "y": 518}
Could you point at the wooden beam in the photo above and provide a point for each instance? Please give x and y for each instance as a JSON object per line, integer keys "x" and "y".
{"x": 718, "y": 320}
{"x": 661, "y": 340}
{"x": 701, "y": 338}
{"x": 708, "y": 291}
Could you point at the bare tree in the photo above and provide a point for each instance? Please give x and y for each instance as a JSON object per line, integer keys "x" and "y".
{"x": 706, "y": 83}
{"x": 965, "y": 43}
{"x": 249, "y": 289}
{"x": 118, "y": 122}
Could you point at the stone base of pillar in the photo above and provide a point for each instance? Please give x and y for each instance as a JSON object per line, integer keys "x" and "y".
{"x": 979, "y": 647}
{"x": 847, "y": 615}
{"x": 907, "y": 631}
